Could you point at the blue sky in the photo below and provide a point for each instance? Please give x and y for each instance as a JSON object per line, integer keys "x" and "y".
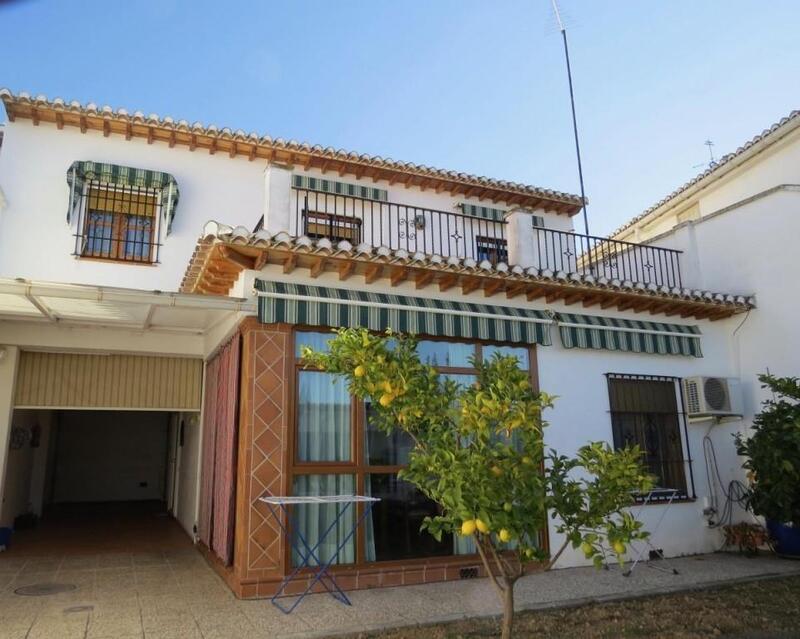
{"x": 457, "y": 84}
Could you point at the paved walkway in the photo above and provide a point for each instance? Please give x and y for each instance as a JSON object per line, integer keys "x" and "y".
{"x": 175, "y": 595}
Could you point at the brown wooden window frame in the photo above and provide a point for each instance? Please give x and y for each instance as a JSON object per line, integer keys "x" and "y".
{"x": 337, "y": 227}
{"x": 119, "y": 211}
{"x": 357, "y": 465}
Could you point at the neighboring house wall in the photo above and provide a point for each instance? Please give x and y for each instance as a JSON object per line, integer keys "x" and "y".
{"x": 106, "y": 456}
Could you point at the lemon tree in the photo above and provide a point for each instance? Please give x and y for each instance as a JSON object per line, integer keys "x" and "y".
{"x": 479, "y": 454}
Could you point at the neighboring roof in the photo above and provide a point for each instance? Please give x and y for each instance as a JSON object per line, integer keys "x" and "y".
{"x": 224, "y": 251}
{"x": 252, "y": 145}
{"x": 724, "y": 165}
{"x": 87, "y": 305}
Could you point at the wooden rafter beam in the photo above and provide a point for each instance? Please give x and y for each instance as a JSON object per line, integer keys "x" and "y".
{"x": 318, "y": 266}
{"x": 423, "y": 278}
{"x": 535, "y": 293}
{"x": 398, "y": 275}
{"x": 289, "y": 263}
{"x": 571, "y": 298}
{"x": 237, "y": 258}
{"x": 346, "y": 269}
{"x": 552, "y": 296}
{"x": 261, "y": 260}
{"x": 447, "y": 281}
{"x": 373, "y": 272}
{"x": 518, "y": 288}
{"x": 469, "y": 284}
{"x": 492, "y": 286}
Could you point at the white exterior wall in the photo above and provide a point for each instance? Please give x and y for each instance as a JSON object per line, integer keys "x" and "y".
{"x": 752, "y": 248}
{"x": 35, "y": 241}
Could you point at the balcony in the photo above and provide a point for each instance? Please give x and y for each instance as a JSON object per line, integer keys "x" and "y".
{"x": 602, "y": 257}
{"x": 397, "y": 226}
{"x": 317, "y": 214}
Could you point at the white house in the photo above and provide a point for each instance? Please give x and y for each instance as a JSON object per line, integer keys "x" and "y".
{"x": 154, "y": 270}
{"x": 737, "y": 224}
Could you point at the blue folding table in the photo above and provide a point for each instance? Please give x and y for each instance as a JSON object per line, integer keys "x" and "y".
{"x": 279, "y": 507}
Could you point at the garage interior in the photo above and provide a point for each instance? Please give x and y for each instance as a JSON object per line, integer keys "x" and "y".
{"x": 101, "y": 481}
{"x": 100, "y": 459}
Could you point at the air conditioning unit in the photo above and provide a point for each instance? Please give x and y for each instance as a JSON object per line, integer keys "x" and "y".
{"x": 711, "y": 397}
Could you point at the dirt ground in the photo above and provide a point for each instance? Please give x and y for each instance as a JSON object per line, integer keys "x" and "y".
{"x": 766, "y": 609}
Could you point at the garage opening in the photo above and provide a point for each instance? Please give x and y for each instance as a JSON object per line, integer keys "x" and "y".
{"x": 103, "y": 455}
{"x": 101, "y": 481}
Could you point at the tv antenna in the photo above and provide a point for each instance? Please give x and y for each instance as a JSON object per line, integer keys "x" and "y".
{"x": 574, "y": 118}
{"x": 712, "y": 162}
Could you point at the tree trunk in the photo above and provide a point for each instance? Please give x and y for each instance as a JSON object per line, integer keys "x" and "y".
{"x": 508, "y": 610}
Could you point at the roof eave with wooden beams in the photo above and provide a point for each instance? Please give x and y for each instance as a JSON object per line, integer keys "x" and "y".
{"x": 223, "y": 253}
{"x": 253, "y": 146}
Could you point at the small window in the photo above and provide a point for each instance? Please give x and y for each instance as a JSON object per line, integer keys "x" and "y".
{"x": 119, "y": 223}
{"x": 645, "y": 412}
{"x": 334, "y": 227}
{"x": 494, "y": 249}
{"x": 538, "y": 221}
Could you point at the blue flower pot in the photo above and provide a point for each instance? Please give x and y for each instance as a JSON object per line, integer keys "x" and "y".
{"x": 786, "y": 538}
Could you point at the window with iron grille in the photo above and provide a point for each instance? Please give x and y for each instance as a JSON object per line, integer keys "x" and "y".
{"x": 646, "y": 411}
{"x": 493, "y": 249}
{"x": 335, "y": 227}
{"x": 118, "y": 223}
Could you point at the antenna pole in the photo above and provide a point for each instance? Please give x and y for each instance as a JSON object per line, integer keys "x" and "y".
{"x": 574, "y": 117}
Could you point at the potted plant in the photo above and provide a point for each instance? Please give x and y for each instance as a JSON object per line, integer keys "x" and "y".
{"x": 773, "y": 463}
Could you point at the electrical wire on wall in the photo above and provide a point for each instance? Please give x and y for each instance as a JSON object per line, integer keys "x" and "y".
{"x": 735, "y": 493}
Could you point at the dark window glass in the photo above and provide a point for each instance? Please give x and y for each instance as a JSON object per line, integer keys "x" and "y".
{"x": 382, "y": 449}
{"x": 644, "y": 412}
{"x": 493, "y": 249}
{"x": 393, "y": 532}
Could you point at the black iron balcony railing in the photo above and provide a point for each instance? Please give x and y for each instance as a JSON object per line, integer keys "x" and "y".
{"x": 397, "y": 226}
{"x": 603, "y": 257}
{"x": 337, "y": 217}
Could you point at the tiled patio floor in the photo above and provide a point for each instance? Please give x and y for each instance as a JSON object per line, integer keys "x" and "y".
{"x": 174, "y": 594}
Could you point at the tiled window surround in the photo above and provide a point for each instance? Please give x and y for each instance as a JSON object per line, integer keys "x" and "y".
{"x": 261, "y": 558}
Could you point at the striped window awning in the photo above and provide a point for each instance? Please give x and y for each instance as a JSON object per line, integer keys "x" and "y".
{"x": 281, "y": 302}
{"x": 339, "y": 188}
{"x": 81, "y": 172}
{"x": 485, "y": 212}
{"x": 635, "y": 336}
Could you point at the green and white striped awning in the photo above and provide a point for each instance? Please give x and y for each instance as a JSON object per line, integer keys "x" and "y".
{"x": 339, "y": 188}
{"x": 485, "y": 212}
{"x": 635, "y": 336}
{"x": 280, "y": 302}
{"x": 81, "y": 172}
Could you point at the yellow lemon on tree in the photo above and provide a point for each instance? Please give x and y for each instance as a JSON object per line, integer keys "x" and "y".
{"x": 619, "y": 547}
{"x": 360, "y": 371}
{"x": 527, "y": 460}
{"x": 385, "y": 400}
{"x": 504, "y": 535}
{"x": 497, "y": 471}
{"x": 529, "y": 552}
{"x": 387, "y": 387}
{"x": 481, "y": 526}
{"x": 508, "y": 506}
{"x": 587, "y": 548}
{"x": 468, "y": 527}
